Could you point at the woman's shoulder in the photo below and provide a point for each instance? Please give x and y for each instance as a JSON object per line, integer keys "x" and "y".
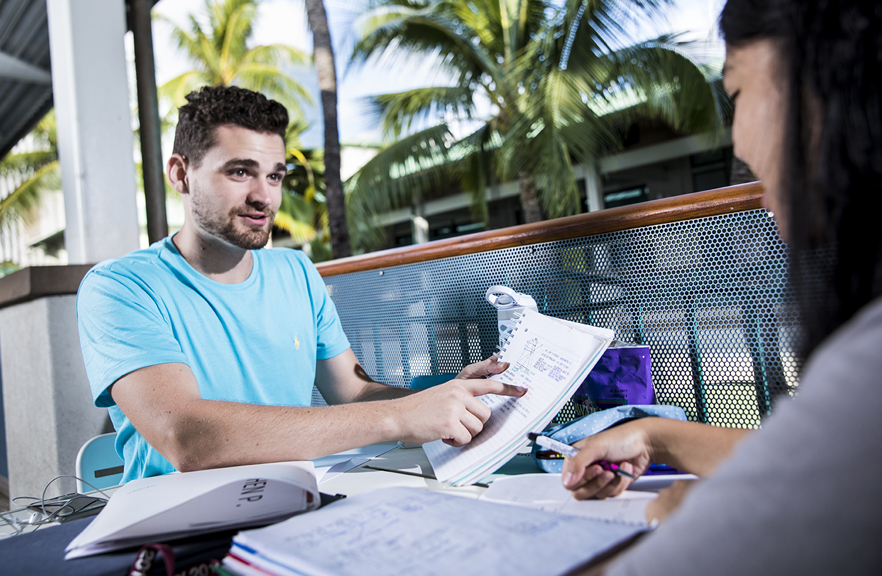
{"x": 853, "y": 348}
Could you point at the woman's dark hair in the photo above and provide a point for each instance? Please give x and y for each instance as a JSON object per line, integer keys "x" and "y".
{"x": 832, "y": 175}
{"x": 213, "y": 106}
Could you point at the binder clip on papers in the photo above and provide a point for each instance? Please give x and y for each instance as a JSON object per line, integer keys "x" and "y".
{"x": 509, "y": 307}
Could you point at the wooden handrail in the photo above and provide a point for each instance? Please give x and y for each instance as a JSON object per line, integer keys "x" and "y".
{"x": 676, "y": 209}
{"x": 41, "y": 281}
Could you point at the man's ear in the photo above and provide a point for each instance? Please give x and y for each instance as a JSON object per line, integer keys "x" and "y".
{"x": 176, "y": 170}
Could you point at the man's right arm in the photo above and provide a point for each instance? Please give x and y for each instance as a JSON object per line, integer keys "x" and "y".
{"x": 164, "y": 405}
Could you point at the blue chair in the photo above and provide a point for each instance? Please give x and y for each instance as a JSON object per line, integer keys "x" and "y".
{"x": 99, "y": 464}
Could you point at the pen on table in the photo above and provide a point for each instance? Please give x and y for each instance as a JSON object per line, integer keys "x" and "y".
{"x": 570, "y": 452}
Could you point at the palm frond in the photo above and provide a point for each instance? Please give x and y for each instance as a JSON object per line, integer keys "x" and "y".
{"x": 235, "y": 31}
{"x": 269, "y": 81}
{"x": 178, "y": 87}
{"x": 399, "y": 175}
{"x": 402, "y": 110}
{"x": 564, "y": 74}
{"x": 184, "y": 41}
{"x": 14, "y": 164}
{"x": 674, "y": 89}
{"x": 22, "y": 203}
{"x": 394, "y": 43}
{"x": 276, "y": 55}
{"x": 295, "y": 220}
{"x": 413, "y": 165}
{"x": 477, "y": 167}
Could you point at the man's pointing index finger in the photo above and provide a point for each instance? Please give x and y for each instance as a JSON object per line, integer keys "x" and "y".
{"x": 481, "y": 387}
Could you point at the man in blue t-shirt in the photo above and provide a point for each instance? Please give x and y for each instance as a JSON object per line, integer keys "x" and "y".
{"x": 205, "y": 347}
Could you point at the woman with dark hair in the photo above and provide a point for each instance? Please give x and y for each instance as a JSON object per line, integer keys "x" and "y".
{"x": 801, "y": 495}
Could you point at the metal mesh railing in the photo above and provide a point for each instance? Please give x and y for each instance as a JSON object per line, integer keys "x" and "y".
{"x": 707, "y": 295}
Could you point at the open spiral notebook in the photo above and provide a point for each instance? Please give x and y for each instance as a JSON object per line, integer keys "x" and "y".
{"x": 548, "y": 356}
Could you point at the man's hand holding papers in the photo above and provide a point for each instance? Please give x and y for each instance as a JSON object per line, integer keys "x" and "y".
{"x": 457, "y": 413}
{"x": 549, "y": 357}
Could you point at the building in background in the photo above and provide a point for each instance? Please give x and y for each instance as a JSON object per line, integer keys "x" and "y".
{"x": 654, "y": 163}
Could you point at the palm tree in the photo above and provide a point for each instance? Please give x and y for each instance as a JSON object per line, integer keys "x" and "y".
{"x": 35, "y": 172}
{"x": 562, "y": 80}
{"x": 323, "y": 55}
{"x": 303, "y": 213}
{"x": 217, "y": 43}
{"x": 218, "y": 46}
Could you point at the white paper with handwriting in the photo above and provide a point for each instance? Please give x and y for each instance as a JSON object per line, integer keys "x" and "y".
{"x": 546, "y": 492}
{"x": 548, "y": 356}
{"x": 408, "y": 531}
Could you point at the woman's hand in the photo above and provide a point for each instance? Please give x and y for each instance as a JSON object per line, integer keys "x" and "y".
{"x": 626, "y": 445}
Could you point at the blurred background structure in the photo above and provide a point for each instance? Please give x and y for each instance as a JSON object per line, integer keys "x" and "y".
{"x": 411, "y": 121}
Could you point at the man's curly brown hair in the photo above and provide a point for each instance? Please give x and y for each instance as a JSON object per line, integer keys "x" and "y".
{"x": 213, "y": 106}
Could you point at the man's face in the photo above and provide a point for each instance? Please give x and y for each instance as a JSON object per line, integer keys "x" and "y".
{"x": 236, "y": 190}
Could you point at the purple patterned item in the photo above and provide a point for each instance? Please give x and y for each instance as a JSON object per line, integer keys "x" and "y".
{"x": 621, "y": 377}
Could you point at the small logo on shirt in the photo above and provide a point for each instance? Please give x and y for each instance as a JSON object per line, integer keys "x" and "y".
{"x": 296, "y": 342}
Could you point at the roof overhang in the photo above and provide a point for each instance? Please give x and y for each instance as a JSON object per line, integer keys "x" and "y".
{"x": 25, "y": 68}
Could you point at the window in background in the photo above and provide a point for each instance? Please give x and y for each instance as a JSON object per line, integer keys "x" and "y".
{"x": 709, "y": 170}
{"x": 624, "y": 197}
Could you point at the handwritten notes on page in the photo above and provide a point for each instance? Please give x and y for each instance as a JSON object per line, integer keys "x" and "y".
{"x": 546, "y": 492}
{"x": 407, "y": 531}
{"x": 548, "y": 356}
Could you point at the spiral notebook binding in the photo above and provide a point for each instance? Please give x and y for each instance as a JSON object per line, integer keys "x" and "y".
{"x": 510, "y": 333}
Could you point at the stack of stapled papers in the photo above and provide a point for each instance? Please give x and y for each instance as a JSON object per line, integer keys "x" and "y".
{"x": 548, "y": 356}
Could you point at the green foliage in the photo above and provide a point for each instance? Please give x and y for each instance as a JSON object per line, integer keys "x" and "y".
{"x": 36, "y": 172}
{"x": 303, "y": 213}
{"x": 7, "y": 267}
{"x": 564, "y": 81}
{"x": 217, "y": 43}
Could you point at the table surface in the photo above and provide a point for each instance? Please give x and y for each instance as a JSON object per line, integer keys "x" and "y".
{"x": 367, "y": 477}
{"x": 362, "y": 478}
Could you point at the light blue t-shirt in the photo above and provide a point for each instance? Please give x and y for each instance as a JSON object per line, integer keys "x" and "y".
{"x": 255, "y": 342}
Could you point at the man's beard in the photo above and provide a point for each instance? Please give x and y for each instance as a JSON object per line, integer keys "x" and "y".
{"x": 226, "y": 229}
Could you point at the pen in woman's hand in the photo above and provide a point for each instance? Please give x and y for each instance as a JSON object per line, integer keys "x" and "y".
{"x": 569, "y": 452}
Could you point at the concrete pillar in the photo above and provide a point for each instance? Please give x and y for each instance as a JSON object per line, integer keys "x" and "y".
{"x": 419, "y": 226}
{"x": 593, "y": 186}
{"x": 48, "y": 406}
{"x": 90, "y": 89}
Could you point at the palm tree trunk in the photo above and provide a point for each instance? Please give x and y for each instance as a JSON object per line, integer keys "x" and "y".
{"x": 529, "y": 198}
{"x": 324, "y": 63}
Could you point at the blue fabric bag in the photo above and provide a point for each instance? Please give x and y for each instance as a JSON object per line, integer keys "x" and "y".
{"x": 575, "y": 430}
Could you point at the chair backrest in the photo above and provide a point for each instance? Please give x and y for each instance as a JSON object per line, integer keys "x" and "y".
{"x": 99, "y": 464}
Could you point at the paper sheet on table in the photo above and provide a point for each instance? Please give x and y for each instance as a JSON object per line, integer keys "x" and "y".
{"x": 407, "y": 531}
{"x": 546, "y": 492}
{"x": 336, "y": 464}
